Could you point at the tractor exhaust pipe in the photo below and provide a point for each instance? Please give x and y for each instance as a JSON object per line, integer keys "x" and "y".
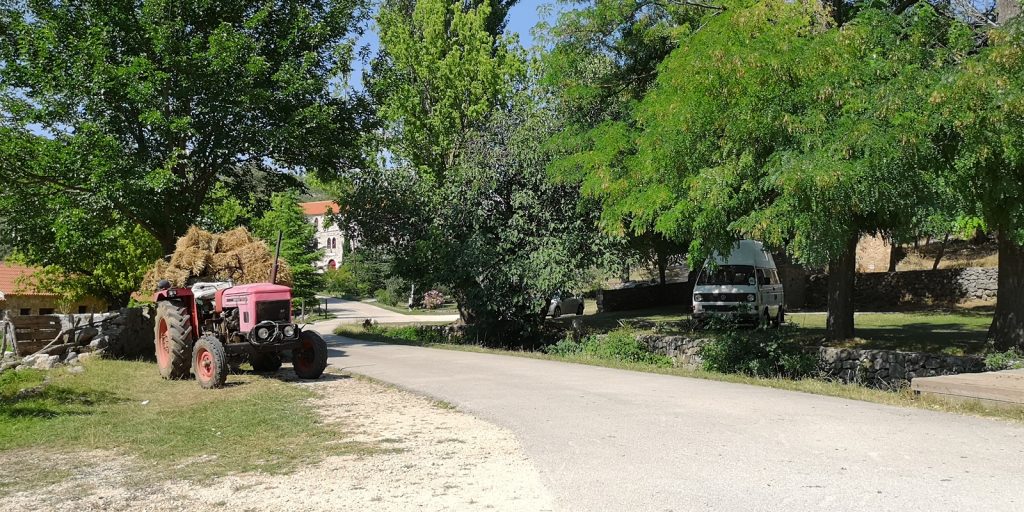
{"x": 277, "y": 256}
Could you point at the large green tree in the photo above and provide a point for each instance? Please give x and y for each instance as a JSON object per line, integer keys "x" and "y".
{"x": 980, "y": 111}
{"x": 129, "y": 113}
{"x": 774, "y": 121}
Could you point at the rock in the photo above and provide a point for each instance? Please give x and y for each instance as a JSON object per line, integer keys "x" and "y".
{"x": 100, "y": 342}
{"x": 7, "y": 365}
{"x": 76, "y": 369}
{"x": 29, "y": 360}
{"x": 46, "y": 362}
{"x": 21, "y": 367}
{"x": 85, "y": 356}
{"x": 71, "y": 357}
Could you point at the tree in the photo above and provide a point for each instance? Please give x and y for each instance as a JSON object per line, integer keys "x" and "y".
{"x": 773, "y": 123}
{"x": 140, "y": 108}
{"x": 443, "y": 66}
{"x": 981, "y": 112}
{"x": 298, "y": 242}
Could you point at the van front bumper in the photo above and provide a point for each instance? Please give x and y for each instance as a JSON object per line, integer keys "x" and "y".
{"x": 739, "y": 311}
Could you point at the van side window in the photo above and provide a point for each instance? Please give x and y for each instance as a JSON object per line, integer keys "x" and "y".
{"x": 775, "y": 277}
{"x": 762, "y": 279}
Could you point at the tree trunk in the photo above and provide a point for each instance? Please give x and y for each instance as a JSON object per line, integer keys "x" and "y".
{"x": 1006, "y": 10}
{"x": 1007, "y": 329}
{"x": 842, "y": 272}
{"x": 894, "y": 256}
{"x": 942, "y": 252}
{"x": 662, "y": 266}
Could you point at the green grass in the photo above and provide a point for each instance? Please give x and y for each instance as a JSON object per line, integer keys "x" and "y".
{"x": 953, "y": 333}
{"x": 903, "y": 397}
{"x": 950, "y": 332}
{"x": 254, "y": 424}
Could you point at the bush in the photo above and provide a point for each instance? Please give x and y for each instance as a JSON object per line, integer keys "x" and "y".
{"x": 341, "y": 283}
{"x": 385, "y": 297}
{"x": 433, "y": 299}
{"x": 412, "y": 333}
{"x": 760, "y": 353}
{"x": 1009, "y": 360}
{"x": 618, "y": 345}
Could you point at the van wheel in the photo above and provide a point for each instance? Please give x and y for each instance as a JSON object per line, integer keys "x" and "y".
{"x": 766, "y": 319}
{"x": 780, "y": 317}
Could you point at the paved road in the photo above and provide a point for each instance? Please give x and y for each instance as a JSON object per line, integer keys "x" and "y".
{"x": 354, "y": 312}
{"x": 613, "y": 440}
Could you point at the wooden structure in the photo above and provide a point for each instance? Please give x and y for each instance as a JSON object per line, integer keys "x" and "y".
{"x": 1005, "y": 388}
{"x": 32, "y": 333}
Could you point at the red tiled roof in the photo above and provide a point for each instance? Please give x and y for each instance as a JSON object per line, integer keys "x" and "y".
{"x": 12, "y": 282}
{"x": 319, "y": 207}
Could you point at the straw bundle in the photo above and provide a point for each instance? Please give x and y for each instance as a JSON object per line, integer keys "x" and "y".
{"x": 198, "y": 239}
{"x": 234, "y": 239}
{"x": 193, "y": 259}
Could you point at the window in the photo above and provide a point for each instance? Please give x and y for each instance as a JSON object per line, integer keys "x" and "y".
{"x": 316, "y": 243}
{"x": 737, "y": 275}
{"x": 25, "y": 312}
{"x": 316, "y": 223}
{"x": 83, "y": 310}
{"x": 45, "y": 311}
{"x": 775, "y": 277}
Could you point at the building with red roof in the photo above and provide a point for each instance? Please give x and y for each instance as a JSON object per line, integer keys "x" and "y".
{"x": 329, "y": 240}
{"x": 20, "y": 297}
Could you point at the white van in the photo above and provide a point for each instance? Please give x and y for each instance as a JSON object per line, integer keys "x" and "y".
{"x": 745, "y": 286}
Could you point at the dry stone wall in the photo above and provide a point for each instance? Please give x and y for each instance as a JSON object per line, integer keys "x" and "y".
{"x": 881, "y": 290}
{"x": 887, "y": 369}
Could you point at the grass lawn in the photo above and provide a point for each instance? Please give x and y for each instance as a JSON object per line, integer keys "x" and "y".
{"x": 903, "y": 398}
{"x": 953, "y": 333}
{"x": 254, "y": 424}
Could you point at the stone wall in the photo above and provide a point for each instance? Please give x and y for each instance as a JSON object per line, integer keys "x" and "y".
{"x": 889, "y": 368}
{"x": 916, "y": 287}
{"x": 126, "y": 333}
{"x": 886, "y": 369}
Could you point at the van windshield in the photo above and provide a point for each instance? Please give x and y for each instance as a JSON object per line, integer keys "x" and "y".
{"x": 738, "y": 275}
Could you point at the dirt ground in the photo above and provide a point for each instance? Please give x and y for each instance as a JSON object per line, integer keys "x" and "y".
{"x": 434, "y": 458}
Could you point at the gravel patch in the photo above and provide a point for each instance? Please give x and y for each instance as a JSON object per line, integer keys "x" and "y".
{"x": 430, "y": 458}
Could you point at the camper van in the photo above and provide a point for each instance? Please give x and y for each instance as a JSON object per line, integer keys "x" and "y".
{"x": 744, "y": 285}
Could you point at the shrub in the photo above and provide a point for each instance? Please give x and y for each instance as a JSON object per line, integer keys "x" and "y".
{"x": 341, "y": 283}
{"x": 386, "y": 297}
{"x": 417, "y": 334}
{"x": 1009, "y": 360}
{"x": 760, "y": 353}
{"x": 433, "y": 299}
{"x": 618, "y": 345}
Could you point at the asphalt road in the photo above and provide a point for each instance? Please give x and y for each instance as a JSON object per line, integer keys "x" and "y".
{"x": 355, "y": 312}
{"x": 614, "y": 440}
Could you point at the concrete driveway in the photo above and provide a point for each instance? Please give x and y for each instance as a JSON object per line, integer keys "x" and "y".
{"x": 614, "y": 440}
{"x": 355, "y": 312}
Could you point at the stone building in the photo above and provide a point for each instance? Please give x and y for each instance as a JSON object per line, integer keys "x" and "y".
{"x": 18, "y": 297}
{"x": 330, "y": 240}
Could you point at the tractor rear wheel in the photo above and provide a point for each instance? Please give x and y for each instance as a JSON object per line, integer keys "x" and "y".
{"x": 210, "y": 362}
{"x": 310, "y": 359}
{"x": 265, "y": 362}
{"x": 173, "y": 339}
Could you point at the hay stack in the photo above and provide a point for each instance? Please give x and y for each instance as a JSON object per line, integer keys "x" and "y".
{"x": 203, "y": 256}
{"x": 231, "y": 240}
{"x": 198, "y": 239}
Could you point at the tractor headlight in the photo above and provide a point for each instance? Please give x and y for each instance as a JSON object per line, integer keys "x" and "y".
{"x": 263, "y": 334}
{"x": 289, "y": 331}
{"x": 751, "y": 298}
{"x": 697, "y": 297}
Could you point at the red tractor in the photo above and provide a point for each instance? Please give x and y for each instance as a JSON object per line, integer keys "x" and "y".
{"x": 215, "y": 326}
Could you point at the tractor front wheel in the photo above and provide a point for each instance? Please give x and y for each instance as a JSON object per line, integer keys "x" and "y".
{"x": 173, "y": 339}
{"x": 265, "y": 362}
{"x": 310, "y": 359}
{"x": 210, "y": 362}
